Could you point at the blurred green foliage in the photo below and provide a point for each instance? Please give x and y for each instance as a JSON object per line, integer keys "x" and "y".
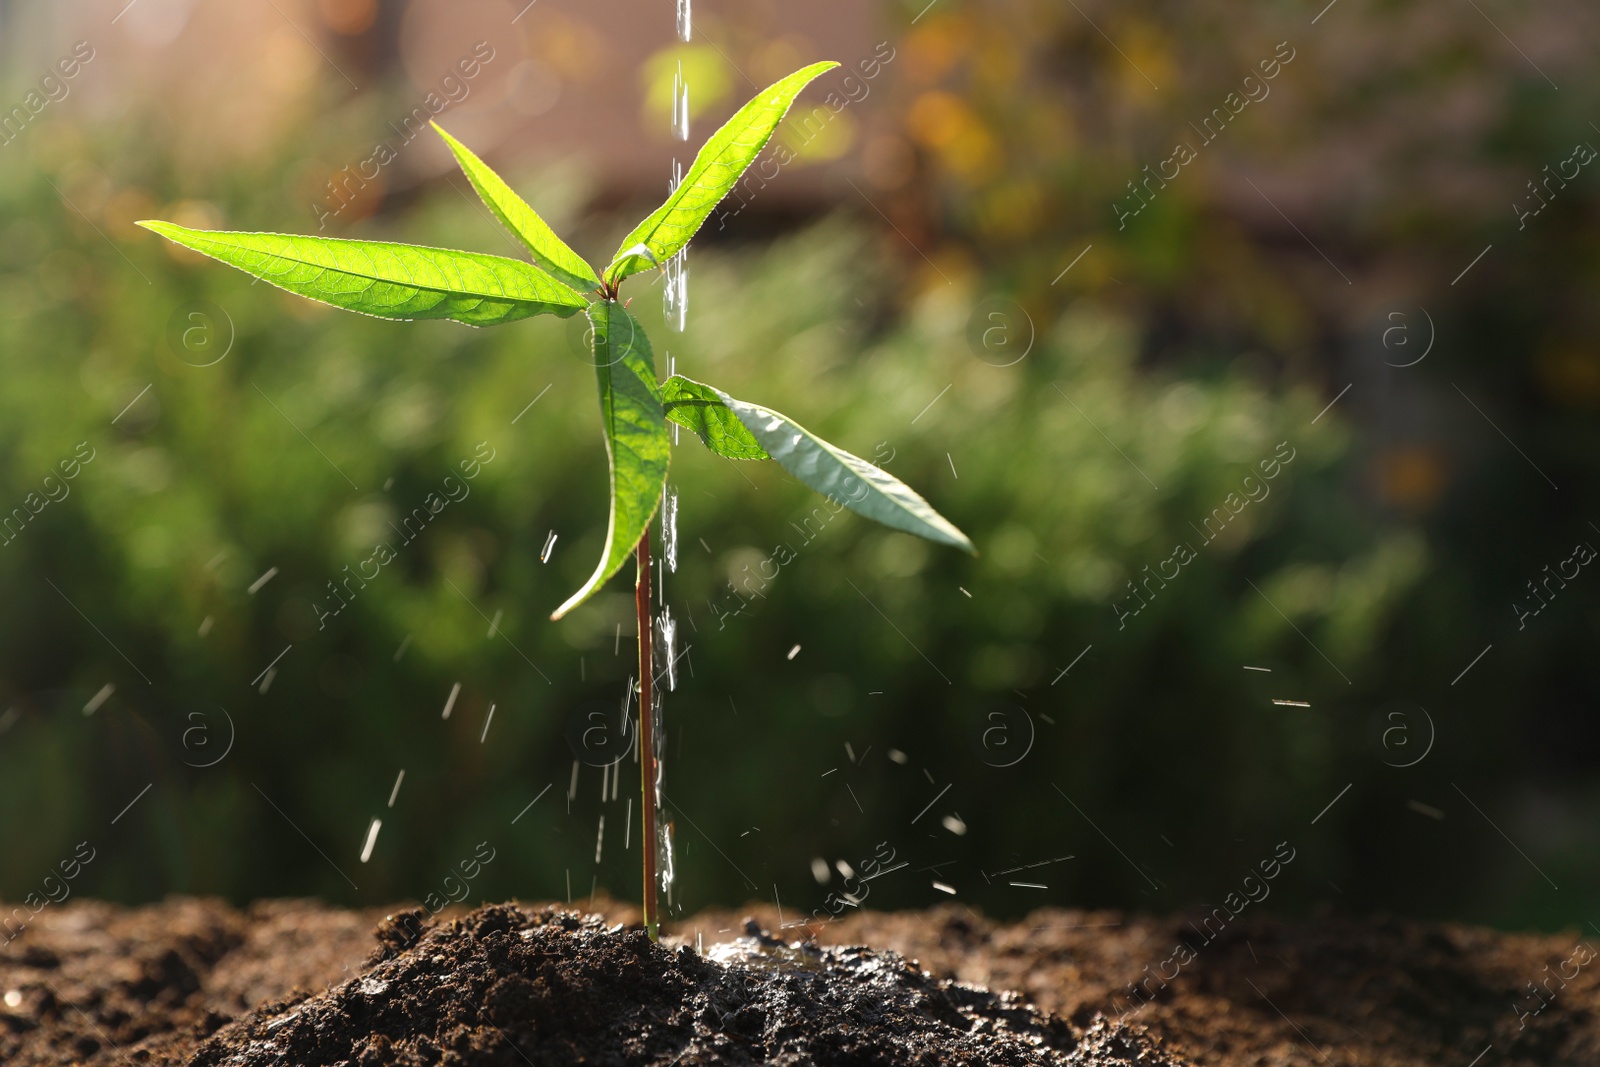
{"x": 219, "y": 473}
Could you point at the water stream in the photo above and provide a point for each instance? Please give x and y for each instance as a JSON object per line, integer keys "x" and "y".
{"x": 675, "y": 297}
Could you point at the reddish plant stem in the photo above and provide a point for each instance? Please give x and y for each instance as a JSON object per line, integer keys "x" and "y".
{"x": 647, "y": 746}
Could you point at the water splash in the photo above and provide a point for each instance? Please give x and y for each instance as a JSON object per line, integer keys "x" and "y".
{"x": 676, "y": 290}
{"x": 669, "y": 527}
{"x": 684, "y": 27}
{"x": 665, "y": 867}
{"x": 667, "y": 646}
{"x": 759, "y": 950}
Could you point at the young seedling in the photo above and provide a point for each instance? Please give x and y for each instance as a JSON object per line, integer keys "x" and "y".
{"x": 401, "y": 281}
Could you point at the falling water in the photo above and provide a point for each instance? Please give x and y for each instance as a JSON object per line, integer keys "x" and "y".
{"x": 672, "y": 368}
{"x": 680, "y": 105}
{"x": 667, "y": 646}
{"x": 675, "y": 296}
{"x": 675, "y": 290}
{"x": 664, "y": 864}
{"x": 669, "y": 527}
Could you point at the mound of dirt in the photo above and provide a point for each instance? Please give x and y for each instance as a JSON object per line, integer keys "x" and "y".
{"x": 296, "y": 982}
{"x": 506, "y": 986}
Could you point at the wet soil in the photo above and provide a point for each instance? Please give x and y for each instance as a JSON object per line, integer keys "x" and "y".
{"x": 293, "y": 982}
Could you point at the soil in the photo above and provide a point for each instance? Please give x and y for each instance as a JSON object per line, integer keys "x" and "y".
{"x": 294, "y": 982}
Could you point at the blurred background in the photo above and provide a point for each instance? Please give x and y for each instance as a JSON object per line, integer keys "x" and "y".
{"x": 1235, "y": 337}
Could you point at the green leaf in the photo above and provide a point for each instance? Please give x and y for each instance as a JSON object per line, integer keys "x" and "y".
{"x": 846, "y": 479}
{"x": 715, "y": 171}
{"x": 700, "y": 408}
{"x": 549, "y": 251}
{"x": 391, "y": 281}
{"x": 637, "y": 443}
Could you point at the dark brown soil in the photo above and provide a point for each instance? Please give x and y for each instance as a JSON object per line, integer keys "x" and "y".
{"x": 292, "y": 982}
{"x": 504, "y": 985}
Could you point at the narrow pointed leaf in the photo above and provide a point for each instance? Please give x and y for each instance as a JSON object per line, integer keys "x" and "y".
{"x": 637, "y": 443}
{"x": 700, "y": 408}
{"x": 391, "y": 281}
{"x": 714, "y": 172}
{"x": 548, "y": 250}
{"x": 849, "y": 480}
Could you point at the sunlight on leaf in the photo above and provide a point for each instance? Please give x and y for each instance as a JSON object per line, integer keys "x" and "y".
{"x": 549, "y": 251}
{"x": 848, "y": 480}
{"x": 716, "y": 170}
{"x": 390, "y": 281}
{"x": 700, "y": 408}
{"x": 637, "y": 442}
